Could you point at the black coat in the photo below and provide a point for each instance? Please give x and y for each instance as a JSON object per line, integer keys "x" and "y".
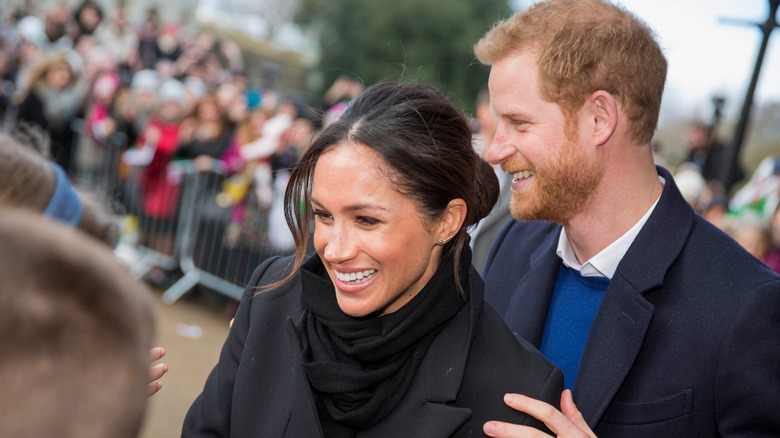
{"x": 258, "y": 388}
{"x": 686, "y": 342}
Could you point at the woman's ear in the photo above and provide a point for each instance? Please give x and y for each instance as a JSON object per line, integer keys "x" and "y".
{"x": 452, "y": 219}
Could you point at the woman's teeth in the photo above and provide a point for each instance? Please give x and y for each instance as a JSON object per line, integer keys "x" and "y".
{"x": 355, "y": 277}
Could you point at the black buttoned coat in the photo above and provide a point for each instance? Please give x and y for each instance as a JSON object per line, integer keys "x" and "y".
{"x": 258, "y": 388}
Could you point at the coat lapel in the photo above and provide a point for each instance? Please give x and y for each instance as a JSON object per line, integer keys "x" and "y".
{"x": 527, "y": 312}
{"x": 625, "y": 314}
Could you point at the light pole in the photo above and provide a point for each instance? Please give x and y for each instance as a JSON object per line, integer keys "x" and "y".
{"x": 732, "y": 151}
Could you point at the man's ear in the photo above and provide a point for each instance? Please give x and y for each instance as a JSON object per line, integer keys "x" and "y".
{"x": 604, "y": 110}
{"x": 452, "y": 219}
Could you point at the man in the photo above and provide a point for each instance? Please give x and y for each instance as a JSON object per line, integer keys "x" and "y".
{"x": 707, "y": 152}
{"x": 662, "y": 324}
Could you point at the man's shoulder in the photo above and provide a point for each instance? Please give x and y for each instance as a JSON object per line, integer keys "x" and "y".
{"x": 526, "y": 232}
{"x": 519, "y": 240}
{"x": 711, "y": 251}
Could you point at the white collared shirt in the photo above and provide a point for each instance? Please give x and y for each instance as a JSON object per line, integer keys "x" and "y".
{"x": 605, "y": 263}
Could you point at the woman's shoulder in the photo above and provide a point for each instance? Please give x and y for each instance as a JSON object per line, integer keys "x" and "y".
{"x": 263, "y": 287}
{"x": 494, "y": 340}
{"x": 500, "y": 362}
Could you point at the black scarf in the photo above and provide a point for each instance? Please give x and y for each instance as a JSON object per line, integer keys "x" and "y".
{"x": 360, "y": 368}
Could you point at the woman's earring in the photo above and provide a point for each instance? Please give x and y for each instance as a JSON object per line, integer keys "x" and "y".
{"x": 445, "y": 240}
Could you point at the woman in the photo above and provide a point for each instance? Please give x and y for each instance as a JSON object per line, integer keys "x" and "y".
{"x": 206, "y": 135}
{"x": 51, "y": 101}
{"x": 383, "y": 332}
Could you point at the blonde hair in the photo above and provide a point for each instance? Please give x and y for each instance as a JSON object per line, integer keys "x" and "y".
{"x": 584, "y": 46}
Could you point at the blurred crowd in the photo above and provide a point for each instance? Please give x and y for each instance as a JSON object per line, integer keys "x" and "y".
{"x": 148, "y": 99}
{"x": 750, "y": 213}
{"x": 143, "y": 96}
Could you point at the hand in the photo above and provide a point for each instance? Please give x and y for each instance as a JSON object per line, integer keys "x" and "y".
{"x": 156, "y": 371}
{"x": 567, "y": 423}
{"x": 152, "y": 135}
{"x": 203, "y": 163}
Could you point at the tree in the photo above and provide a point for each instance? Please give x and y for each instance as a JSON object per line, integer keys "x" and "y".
{"x": 423, "y": 40}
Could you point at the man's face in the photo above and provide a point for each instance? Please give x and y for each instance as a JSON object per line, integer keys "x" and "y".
{"x": 553, "y": 177}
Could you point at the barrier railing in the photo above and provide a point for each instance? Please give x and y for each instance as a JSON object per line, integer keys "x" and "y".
{"x": 175, "y": 218}
{"x": 221, "y": 242}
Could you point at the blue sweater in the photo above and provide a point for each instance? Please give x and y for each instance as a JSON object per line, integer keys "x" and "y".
{"x": 573, "y": 308}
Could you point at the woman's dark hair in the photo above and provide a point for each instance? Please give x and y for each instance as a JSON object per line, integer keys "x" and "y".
{"x": 425, "y": 143}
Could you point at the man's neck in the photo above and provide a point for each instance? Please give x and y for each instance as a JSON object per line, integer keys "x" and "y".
{"x": 619, "y": 203}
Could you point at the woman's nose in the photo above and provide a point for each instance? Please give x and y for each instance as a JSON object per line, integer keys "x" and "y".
{"x": 340, "y": 245}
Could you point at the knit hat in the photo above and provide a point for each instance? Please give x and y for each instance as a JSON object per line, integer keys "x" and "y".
{"x": 144, "y": 80}
{"x": 171, "y": 90}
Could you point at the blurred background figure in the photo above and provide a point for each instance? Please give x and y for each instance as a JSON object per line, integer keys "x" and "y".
{"x": 754, "y": 235}
{"x": 50, "y": 100}
{"x": 707, "y": 152}
{"x": 692, "y": 185}
{"x": 75, "y": 335}
{"x": 483, "y": 234}
{"x": 772, "y": 258}
{"x": 206, "y": 134}
{"x": 337, "y": 97}
{"x": 155, "y": 148}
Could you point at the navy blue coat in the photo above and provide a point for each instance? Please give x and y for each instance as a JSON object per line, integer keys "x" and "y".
{"x": 686, "y": 342}
{"x": 258, "y": 388}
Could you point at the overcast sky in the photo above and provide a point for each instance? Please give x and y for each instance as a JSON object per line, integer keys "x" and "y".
{"x": 707, "y": 57}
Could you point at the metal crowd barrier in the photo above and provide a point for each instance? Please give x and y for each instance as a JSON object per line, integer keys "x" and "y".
{"x": 221, "y": 242}
{"x": 186, "y": 223}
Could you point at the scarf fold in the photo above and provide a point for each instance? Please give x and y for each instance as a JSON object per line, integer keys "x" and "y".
{"x": 361, "y": 368}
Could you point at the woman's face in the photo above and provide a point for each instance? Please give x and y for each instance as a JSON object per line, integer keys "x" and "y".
{"x": 58, "y": 77}
{"x": 373, "y": 241}
{"x": 209, "y": 112}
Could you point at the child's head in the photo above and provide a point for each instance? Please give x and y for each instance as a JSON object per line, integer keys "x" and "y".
{"x": 76, "y": 330}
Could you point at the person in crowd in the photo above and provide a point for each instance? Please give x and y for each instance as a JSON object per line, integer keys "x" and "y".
{"x": 483, "y": 234}
{"x": 86, "y": 19}
{"x": 50, "y": 101}
{"x": 383, "y": 331}
{"x": 772, "y": 258}
{"x": 754, "y": 235}
{"x": 205, "y": 134}
{"x": 343, "y": 89}
{"x": 692, "y": 185}
{"x": 76, "y": 330}
{"x": 241, "y": 168}
{"x": 662, "y": 324}
{"x": 155, "y": 148}
{"x": 709, "y": 153}
{"x": 144, "y": 86}
{"x": 717, "y": 213}
{"x": 29, "y": 181}
{"x": 98, "y": 146}
{"x": 147, "y": 51}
